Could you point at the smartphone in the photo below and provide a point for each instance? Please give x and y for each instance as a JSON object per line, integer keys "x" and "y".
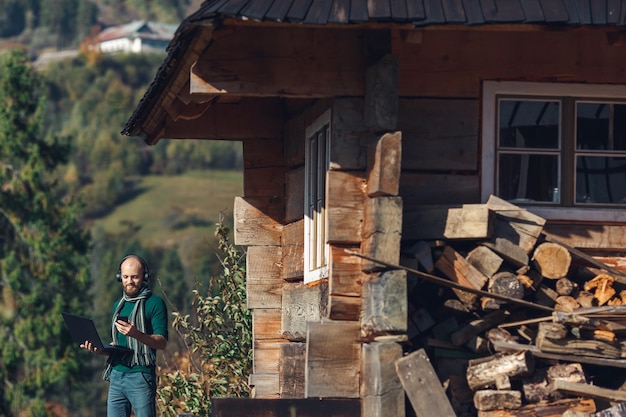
{"x": 123, "y": 318}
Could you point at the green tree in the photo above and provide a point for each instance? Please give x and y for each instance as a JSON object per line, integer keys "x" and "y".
{"x": 218, "y": 335}
{"x": 43, "y": 252}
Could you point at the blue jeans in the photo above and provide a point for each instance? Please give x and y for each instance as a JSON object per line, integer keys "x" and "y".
{"x": 131, "y": 389}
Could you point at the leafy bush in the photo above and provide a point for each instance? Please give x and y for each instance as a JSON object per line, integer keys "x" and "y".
{"x": 218, "y": 340}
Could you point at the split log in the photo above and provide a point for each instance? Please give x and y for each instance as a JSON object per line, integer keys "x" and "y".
{"x": 485, "y": 260}
{"x": 552, "y": 260}
{"x": 551, "y": 409}
{"x": 603, "y": 285}
{"x": 486, "y": 400}
{"x": 458, "y": 270}
{"x": 485, "y": 373}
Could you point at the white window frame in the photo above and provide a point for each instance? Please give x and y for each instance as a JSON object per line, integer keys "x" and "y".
{"x": 316, "y": 165}
{"x": 493, "y": 89}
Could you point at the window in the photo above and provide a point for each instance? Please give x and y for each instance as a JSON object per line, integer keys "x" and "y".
{"x": 560, "y": 148}
{"x": 317, "y": 162}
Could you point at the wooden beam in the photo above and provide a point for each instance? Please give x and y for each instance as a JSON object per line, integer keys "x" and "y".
{"x": 247, "y": 119}
{"x": 287, "y": 62}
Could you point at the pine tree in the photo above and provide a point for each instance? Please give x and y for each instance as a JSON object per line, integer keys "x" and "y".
{"x": 43, "y": 251}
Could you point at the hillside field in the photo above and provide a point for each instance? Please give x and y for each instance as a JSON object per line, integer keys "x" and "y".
{"x": 177, "y": 211}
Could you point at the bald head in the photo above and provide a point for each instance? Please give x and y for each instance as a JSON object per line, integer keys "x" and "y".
{"x": 132, "y": 272}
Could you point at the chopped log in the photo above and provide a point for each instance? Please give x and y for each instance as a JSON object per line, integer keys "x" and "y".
{"x": 506, "y": 284}
{"x": 472, "y": 221}
{"x": 485, "y": 260}
{"x": 585, "y": 299}
{"x": 566, "y": 303}
{"x": 565, "y": 286}
{"x": 603, "y": 284}
{"x": 551, "y": 409}
{"x": 509, "y": 251}
{"x": 486, "y": 400}
{"x": 422, "y": 385}
{"x": 552, "y": 260}
{"x": 475, "y": 327}
{"x": 537, "y": 388}
{"x": 458, "y": 270}
{"x": 572, "y": 372}
{"x": 485, "y": 374}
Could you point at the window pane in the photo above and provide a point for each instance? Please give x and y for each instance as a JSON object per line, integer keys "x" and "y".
{"x": 601, "y": 180}
{"x": 601, "y": 126}
{"x": 528, "y": 177}
{"x": 528, "y": 124}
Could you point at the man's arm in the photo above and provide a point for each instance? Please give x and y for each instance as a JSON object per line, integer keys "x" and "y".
{"x": 154, "y": 341}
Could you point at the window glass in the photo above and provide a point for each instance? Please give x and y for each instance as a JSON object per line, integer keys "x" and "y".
{"x": 529, "y": 124}
{"x": 528, "y": 177}
{"x": 601, "y": 180}
{"x": 601, "y": 126}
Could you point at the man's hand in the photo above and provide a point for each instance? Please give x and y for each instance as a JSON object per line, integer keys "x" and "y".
{"x": 87, "y": 345}
{"x": 155, "y": 341}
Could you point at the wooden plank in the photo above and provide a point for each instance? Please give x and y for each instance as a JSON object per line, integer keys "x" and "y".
{"x": 382, "y": 229}
{"x": 381, "y": 391}
{"x": 263, "y": 153}
{"x": 263, "y": 385}
{"x": 422, "y": 386}
{"x": 333, "y": 359}
{"x": 381, "y": 94}
{"x": 418, "y": 189}
{"x": 485, "y": 260}
{"x": 342, "y": 307}
{"x": 292, "y": 239}
{"x": 349, "y": 135}
{"x": 256, "y": 221}
{"x": 263, "y": 277}
{"x": 515, "y": 224}
{"x": 280, "y": 65}
{"x": 294, "y": 195}
{"x": 589, "y": 391}
{"x": 300, "y": 304}
{"x": 345, "y": 276}
{"x": 248, "y": 119}
{"x": 266, "y": 356}
{"x": 266, "y": 323}
{"x": 315, "y": 407}
{"x": 344, "y": 206}
{"x": 384, "y": 169}
{"x": 291, "y": 370}
{"x": 472, "y": 221}
{"x": 264, "y": 182}
{"x": 384, "y": 303}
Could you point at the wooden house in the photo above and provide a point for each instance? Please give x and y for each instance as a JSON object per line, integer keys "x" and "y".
{"x": 358, "y": 119}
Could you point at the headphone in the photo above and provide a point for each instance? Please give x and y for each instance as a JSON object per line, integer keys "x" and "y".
{"x": 144, "y": 265}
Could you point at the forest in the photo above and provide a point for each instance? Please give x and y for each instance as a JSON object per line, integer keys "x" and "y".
{"x": 65, "y": 167}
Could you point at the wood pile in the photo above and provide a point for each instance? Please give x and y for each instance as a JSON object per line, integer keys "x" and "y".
{"x": 514, "y": 322}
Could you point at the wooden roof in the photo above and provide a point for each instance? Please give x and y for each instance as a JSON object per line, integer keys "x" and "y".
{"x": 423, "y": 12}
{"x": 341, "y": 13}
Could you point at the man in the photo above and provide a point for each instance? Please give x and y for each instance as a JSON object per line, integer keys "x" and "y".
{"x": 139, "y": 322}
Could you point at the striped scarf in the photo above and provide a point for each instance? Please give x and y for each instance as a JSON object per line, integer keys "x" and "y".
{"x": 142, "y": 354}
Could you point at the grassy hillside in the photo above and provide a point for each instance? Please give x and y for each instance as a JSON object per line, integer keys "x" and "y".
{"x": 177, "y": 211}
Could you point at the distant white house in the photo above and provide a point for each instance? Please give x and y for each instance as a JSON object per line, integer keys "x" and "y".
{"x": 137, "y": 36}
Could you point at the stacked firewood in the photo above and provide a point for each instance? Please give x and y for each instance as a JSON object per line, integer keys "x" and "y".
{"x": 521, "y": 324}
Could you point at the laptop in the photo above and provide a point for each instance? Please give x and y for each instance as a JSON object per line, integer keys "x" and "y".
{"x": 82, "y": 329}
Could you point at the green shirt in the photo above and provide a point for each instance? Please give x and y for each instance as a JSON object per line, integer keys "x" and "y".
{"x": 156, "y": 323}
